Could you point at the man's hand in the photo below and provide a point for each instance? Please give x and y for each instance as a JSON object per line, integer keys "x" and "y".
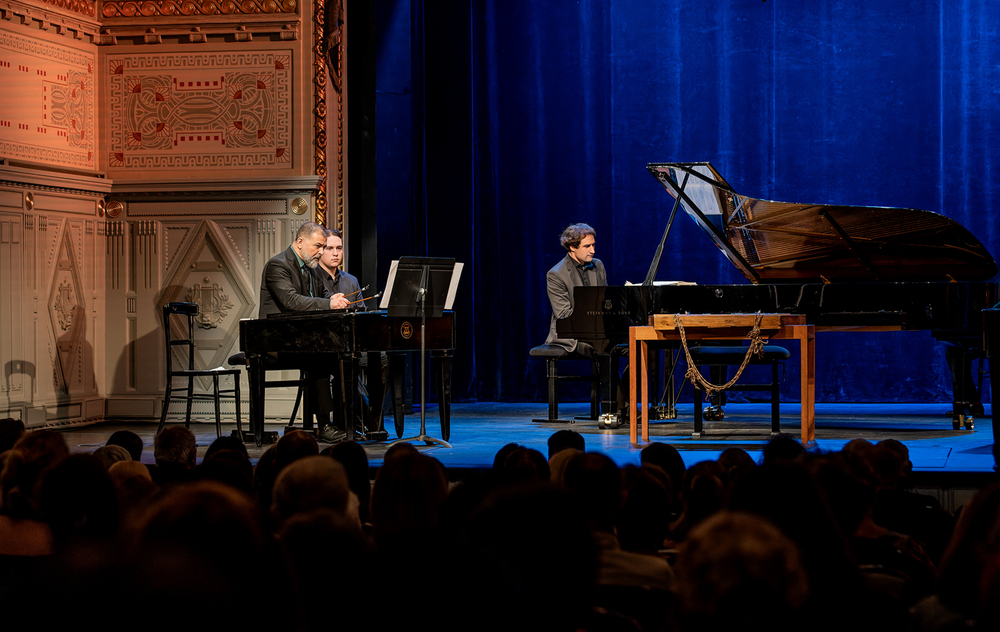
{"x": 337, "y": 301}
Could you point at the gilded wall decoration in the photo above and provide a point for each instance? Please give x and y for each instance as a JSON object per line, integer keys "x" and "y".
{"x": 146, "y": 8}
{"x": 53, "y": 119}
{"x": 200, "y": 110}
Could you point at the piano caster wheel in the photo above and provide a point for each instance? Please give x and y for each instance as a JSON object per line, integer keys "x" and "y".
{"x": 956, "y": 422}
{"x": 970, "y": 423}
{"x": 608, "y": 421}
{"x": 714, "y": 413}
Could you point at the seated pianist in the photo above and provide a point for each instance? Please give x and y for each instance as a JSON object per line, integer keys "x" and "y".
{"x": 577, "y": 268}
{"x": 288, "y": 284}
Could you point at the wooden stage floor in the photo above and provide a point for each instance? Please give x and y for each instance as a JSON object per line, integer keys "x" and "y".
{"x": 479, "y": 430}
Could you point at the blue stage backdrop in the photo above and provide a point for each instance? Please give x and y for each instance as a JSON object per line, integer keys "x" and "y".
{"x": 502, "y": 122}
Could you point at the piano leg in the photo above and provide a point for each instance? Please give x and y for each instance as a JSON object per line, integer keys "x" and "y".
{"x": 256, "y": 376}
{"x": 348, "y": 392}
{"x": 397, "y": 373}
{"x": 375, "y": 430}
{"x": 444, "y": 391}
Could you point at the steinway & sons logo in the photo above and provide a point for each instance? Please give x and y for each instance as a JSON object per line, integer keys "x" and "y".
{"x": 406, "y": 330}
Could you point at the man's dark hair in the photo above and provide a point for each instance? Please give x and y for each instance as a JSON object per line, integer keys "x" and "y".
{"x": 308, "y": 229}
{"x": 574, "y": 234}
{"x": 175, "y": 445}
{"x": 335, "y": 233}
{"x": 566, "y": 439}
{"x": 128, "y": 440}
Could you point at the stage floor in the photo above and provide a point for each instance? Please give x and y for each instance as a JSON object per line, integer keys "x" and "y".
{"x": 479, "y": 430}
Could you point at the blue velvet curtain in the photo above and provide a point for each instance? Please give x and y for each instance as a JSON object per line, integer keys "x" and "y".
{"x": 523, "y": 117}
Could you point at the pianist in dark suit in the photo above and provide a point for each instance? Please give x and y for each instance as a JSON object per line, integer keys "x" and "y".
{"x": 288, "y": 285}
{"x": 578, "y": 267}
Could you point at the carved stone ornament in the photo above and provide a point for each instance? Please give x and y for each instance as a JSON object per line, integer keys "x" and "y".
{"x": 213, "y": 305}
{"x": 64, "y": 305}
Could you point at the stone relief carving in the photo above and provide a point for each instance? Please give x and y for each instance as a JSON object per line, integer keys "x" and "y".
{"x": 213, "y": 305}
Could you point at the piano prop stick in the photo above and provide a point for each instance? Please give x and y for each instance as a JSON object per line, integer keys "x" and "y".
{"x": 424, "y": 287}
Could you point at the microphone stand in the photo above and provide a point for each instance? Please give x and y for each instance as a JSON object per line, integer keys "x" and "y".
{"x": 421, "y": 298}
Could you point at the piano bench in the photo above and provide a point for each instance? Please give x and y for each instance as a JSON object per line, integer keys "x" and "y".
{"x": 553, "y": 354}
{"x": 733, "y": 356}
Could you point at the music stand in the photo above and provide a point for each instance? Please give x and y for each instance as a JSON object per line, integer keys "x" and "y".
{"x": 421, "y": 286}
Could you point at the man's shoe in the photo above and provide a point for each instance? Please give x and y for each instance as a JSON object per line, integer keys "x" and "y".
{"x": 331, "y": 434}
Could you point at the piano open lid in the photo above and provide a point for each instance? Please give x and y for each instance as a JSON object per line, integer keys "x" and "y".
{"x": 782, "y": 241}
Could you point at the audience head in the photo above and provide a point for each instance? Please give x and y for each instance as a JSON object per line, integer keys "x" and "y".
{"x": 667, "y": 458}
{"x": 644, "y": 520}
{"x": 27, "y": 462}
{"x": 501, "y": 455}
{"x": 781, "y": 450}
{"x": 352, "y": 456}
{"x": 227, "y": 442}
{"x": 176, "y": 446}
{"x": 79, "y": 502}
{"x": 558, "y": 463}
{"x": 10, "y": 431}
{"x": 738, "y": 572}
{"x": 128, "y": 440}
{"x": 108, "y": 455}
{"x": 598, "y": 482}
{"x": 294, "y": 445}
{"x": 524, "y": 464}
{"x": 566, "y": 439}
{"x": 310, "y": 483}
{"x": 231, "y": 467}
{"x": 406, "y": 501}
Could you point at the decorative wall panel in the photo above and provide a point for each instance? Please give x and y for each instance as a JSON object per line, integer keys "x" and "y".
{"x": 52, "y": 118}
{"x": 192, "y": 111}
{"x": 146, "y": 8}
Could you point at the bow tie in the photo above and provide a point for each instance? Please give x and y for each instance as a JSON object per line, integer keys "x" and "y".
{"x": 586, "y": 266}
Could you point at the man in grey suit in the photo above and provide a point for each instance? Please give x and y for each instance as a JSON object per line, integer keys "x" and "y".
{"x": 288, "y": 284}
{"x": 578, "y": 267}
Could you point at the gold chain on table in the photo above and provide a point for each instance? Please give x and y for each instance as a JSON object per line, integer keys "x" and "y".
{"x": 693, "y": 374}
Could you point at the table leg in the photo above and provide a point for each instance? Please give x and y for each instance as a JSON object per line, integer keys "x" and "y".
{"x": 644, "y": 405}
{"x": 632, "y": 373}
{"x": 806, "y": 335}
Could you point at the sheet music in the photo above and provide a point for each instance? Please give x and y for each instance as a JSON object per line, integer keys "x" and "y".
{"x": 388, "y": 285}
{"x": 453, "y": 288}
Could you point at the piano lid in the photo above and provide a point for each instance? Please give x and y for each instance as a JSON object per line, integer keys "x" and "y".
{"x": 784, "y": 242}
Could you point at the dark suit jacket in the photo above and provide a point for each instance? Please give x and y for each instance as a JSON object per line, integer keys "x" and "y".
{"x": 345, "y": 283}
{"x": 283, "y": 288}
{"x": 560, "y": 281}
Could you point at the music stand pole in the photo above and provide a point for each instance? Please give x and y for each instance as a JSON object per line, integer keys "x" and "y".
{"x": 422, "y": 297}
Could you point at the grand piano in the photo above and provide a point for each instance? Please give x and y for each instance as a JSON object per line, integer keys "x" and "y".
{"x": 846, "y": 268}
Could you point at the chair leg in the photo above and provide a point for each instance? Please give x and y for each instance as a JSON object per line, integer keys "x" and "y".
{"x": 295, "y": 407}
{"x": 218, "y": 407}
{"x": 166, "y": 405}
{"x": 190, "y": 400}
{"x": 239, "y": 416}
{"x": 553, "y": 398}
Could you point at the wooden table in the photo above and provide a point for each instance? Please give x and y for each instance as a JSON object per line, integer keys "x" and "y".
{"x": 722, "y": 327}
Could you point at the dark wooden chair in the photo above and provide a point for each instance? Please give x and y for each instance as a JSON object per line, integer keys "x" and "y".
{"x": 186, "y": 313}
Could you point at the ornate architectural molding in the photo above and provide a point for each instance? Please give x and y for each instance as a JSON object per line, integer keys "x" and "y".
{"x": 319, "y": 100}
{"x": 66, "y": 18}
{"x": 243, "y": 32}
{"x": 54, "y": 181}
{"x": 173, "y": 8}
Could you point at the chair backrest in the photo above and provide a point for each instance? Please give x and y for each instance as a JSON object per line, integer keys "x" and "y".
{"x": 190, "y": 310}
